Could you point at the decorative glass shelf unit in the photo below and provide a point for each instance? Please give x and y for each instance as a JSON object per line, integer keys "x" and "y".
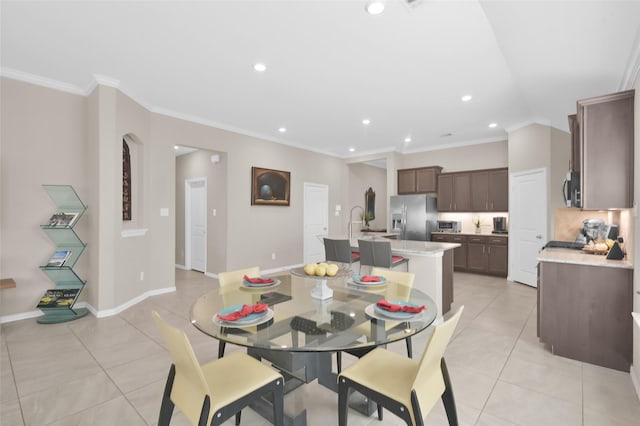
{"x": 69, "y": 247}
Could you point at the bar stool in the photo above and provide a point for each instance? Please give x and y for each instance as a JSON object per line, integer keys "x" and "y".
{"x": 339, "y": 250}
{"x": 378, "y": 253}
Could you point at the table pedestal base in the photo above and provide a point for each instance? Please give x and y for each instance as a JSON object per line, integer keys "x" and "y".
{"x": 322, "y": 291}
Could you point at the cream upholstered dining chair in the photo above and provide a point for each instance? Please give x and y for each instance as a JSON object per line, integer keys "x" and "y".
{"x": 378, "y": 253}
{"x": 339, "y": 250}
{"x": 406, "y": 387}
{"x": 233, "y": 278}
{"x": 401, "y": 293}
{"x": 210, "y": 394}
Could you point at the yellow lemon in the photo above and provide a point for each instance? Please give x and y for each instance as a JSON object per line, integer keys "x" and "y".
{"x": 321, "y": 271}
{"x": 332, "y": 270}
{"x": 310, "y": 268}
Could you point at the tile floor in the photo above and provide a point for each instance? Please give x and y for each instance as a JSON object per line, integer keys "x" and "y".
{"x": 111, "y": 371}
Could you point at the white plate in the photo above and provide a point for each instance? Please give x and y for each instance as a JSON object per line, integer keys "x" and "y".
{"x": 397, "y": 315}
{"x": 247, "y": 284}
{"x": 268, "y": 316}
{"x": 356, "y": 279}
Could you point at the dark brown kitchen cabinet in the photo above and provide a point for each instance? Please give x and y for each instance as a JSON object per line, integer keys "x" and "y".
{"x": 498, "y": 190}
{"x": 585, "y": 312}
{"x": 488, "y": 255}
{"x": 574, "y": 129}
{"x": 454, "y": 192}
{"x": 481, "y": 254}
{"x": 459, "y": 253}
{"x": 490, "y": 190}
{"x": 421, "y": 180}
{"x": 606, "y": 132}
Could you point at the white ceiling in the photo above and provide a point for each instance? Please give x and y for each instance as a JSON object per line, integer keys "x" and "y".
{"x": 330, "y": 64}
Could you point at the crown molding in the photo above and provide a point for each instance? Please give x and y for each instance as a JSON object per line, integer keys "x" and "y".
{"x": 632, "y": 70}
{"x": 41, "y": 81}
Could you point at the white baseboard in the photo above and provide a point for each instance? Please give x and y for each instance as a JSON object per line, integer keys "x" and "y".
{"x": 98, "y": 314}
{"x": 181, "y": 267}
{"x": 635, "y": 378}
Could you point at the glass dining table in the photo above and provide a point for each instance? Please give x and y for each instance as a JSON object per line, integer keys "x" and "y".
{"x": 299, "y": 331}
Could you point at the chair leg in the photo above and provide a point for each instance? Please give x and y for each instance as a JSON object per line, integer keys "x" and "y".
{"x": 447, "y": 397}
{"x": 343, "y": 397}
{"x": 204, "y": 413}
{"x": 409, "y": 347}
{"x": 379, "y": 412}
{"x": 278, "y": 401}
{"x": 238, "y": 417}
{"x": 221, "y": 346}
{"x": 166, "y": 409}
{"x": 339, "y": 361}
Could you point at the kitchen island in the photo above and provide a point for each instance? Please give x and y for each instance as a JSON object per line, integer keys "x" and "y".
{"x": 432, "y": 264}
{"x": 585, "y": 305}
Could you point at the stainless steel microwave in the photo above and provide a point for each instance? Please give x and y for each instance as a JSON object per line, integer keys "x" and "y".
{"x": 449, "y": 226}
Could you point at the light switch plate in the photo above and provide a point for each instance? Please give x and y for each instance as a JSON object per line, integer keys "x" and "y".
{"x": 164, "y": 211}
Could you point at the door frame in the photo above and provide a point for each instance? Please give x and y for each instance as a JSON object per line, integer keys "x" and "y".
{"x": 307, "y": 185}
{"x": 188, "y": 187}
{"x": 513, "y": 236}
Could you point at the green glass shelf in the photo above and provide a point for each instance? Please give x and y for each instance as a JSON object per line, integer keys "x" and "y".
{"x": 65, "y": 238}
{"x": 65, "y": 197}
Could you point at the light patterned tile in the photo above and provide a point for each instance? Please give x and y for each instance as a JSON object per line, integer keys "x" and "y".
{"x": 67, "y": 398}
{"x": 487, "y": 419}
{"x": 563, "y": 383}
{"x": 529, "y": 408}
{"x": 10, "y": 413}
{"x": 141, "y": 372}
{"x": 610, "y": 392}
{"x": 118, "y": 411}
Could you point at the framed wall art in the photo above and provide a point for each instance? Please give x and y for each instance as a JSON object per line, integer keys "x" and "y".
{"x": 270, "y": 187}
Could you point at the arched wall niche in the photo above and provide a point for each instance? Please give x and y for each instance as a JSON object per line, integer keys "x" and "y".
{"x": 136, "y": 189}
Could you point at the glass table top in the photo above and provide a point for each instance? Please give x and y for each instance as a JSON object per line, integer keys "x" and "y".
{"x": 297, "y": 322}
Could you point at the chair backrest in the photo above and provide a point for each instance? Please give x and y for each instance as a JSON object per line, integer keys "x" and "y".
{"x": 189, "y": 386}
{"x": 429, "y": 382}
{"x": 403, "y": 281}
{"x": 375, "y": 253}
{"x": 337, "y": 250}
{"x": 236, "y": 277}
{"x": 404, "y": 278}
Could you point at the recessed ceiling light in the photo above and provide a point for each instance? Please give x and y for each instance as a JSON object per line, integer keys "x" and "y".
{"x": 176, "y": 147}
{"x": 375, "y": 7}
{"x": 407, "y": 139}
{"x": 259, "y": 67}
{"x": 352, "y": 149}
{"x": 366, "y": 121}
{"x": 282, "y": 129}
{"x": 492, "y": 125}
{"x": 446, "y": 135}
{"x": 466, "y": 98}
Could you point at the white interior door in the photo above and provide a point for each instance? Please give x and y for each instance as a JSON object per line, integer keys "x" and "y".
{"x": 527, "y": 223}
{"x": 196, "y": 224}
{"x": 316, "y": 221}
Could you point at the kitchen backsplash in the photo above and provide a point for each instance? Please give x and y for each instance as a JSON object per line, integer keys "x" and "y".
{"x": 467, "y": 219}
{"x": 568, "y": 224}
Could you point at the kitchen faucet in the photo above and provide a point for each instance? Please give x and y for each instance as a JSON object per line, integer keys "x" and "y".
{"x": 351, "y": 220}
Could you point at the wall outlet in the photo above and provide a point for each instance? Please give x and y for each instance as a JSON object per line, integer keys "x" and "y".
{"x": 142, "y": 276}
{"x": 215, "y": 212}
{"x": 273, "y": 256}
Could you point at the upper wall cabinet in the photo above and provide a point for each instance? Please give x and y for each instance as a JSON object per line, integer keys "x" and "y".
{"x": 606, "y": 140}
{"x": 474, "y": 191}
{"x": 454, "y": 192}
{"x": 418, "y": 181}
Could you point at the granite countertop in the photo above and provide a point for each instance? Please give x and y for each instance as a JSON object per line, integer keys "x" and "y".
{"x": 560, "y": 255}
{"x": 472, "y": 234}
{"x": 403, "y": 247}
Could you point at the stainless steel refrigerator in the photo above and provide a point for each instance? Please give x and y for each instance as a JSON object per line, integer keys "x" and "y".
{"x": 413, "y": 217}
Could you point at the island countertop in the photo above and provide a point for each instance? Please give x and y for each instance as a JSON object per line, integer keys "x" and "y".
{"x": 404, "y": 247}
{"x": 561, "y": 255}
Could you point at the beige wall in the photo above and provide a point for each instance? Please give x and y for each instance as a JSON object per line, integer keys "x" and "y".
{"x": 198, "y": 165}
{"x": 361, "y": 178}
{"x": 43, "y": 141}
{"x": 472, "y": 157}
{"x": 538, "y": 146}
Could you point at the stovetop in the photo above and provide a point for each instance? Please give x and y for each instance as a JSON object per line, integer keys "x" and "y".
{"x": 564, "y": 244}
